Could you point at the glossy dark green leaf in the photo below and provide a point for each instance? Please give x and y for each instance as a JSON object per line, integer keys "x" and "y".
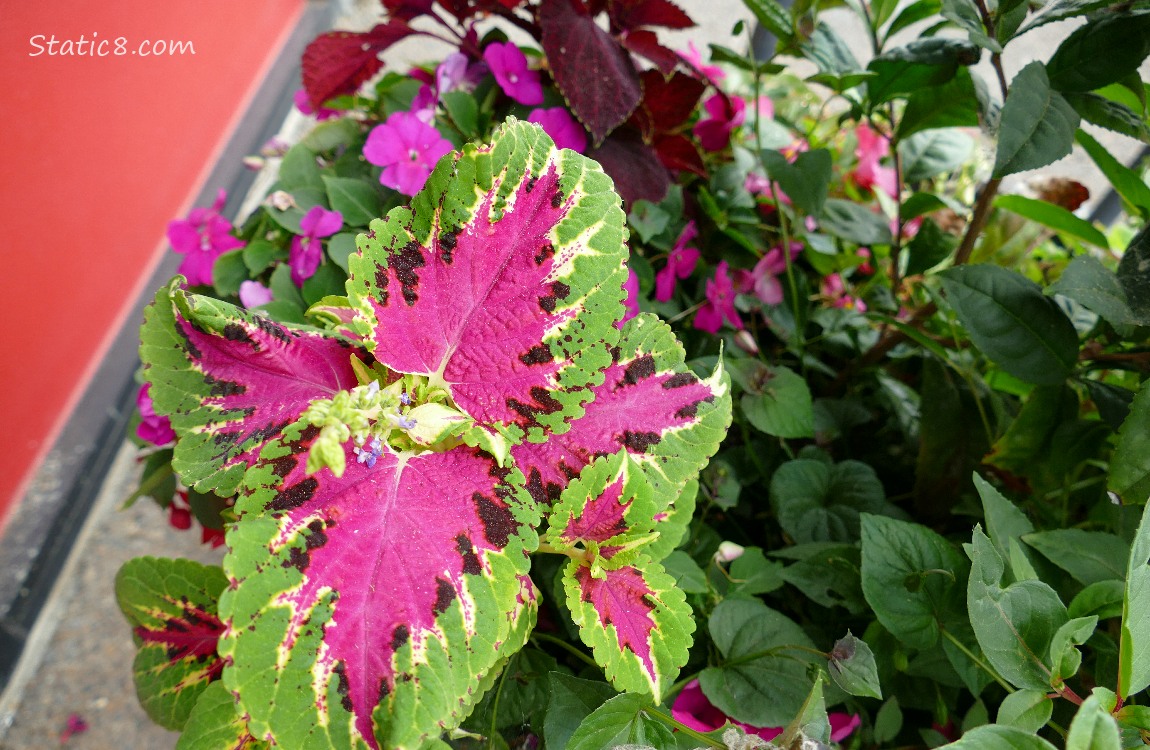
{"x": 1037, "y": 125}
{"x": 950, "y": 105}
{"x": 1109, "y": 114}
{"x": 1088, "y": 556}
{"x": 686, "y": 572}
{"x": 1095, "y": 287}
{"x": 855, "y": 222}
{"x": 1125, "y": 181}
{"x": 1013, "y": 323}
{"x": 1053, "y": 216}
{"x": 919, "y": 64}
{"x": 830, "y": 52}
{"x": 1134, "y": 275}
{"x": 259, "y": 254}
{"x": 1130, "y": 465}
{"x": 1100, "y": 52}
{"x": 805, "y": 182}
{"x": 1134, "y": 651}
{"x": 752, "y": 573}
{"x": 774, "y": 18}
{"x": 934, "y": 152}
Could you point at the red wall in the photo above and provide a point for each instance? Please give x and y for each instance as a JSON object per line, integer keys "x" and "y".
{"x": 97, "y": 154}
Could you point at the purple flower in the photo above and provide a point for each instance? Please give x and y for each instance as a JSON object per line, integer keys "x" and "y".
{"x": 407, "y": 148}
{"x": 720, "y": 303}
{"x": 303, "y": 104}
{"x": 724, "y": 114}
{"x": 153, "y": 428}
{"x": 693, "y": 710}
{"x": 763, "y": 279}
{"x": 201, "y": 238}
{"x": 631, "y": 286}
{"x": 424, "y": 103}
{"x": 306, "y": 250}
{"x": 254, "y": 294}
{"x": 509, "y": 65}
{"x": 370, "y": 453}
{"x": 680, "y": 263}
{"x": 451, "y": 72}
{"x": 561, "y": 126}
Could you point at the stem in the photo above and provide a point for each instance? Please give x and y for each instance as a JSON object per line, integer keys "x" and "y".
{"x": 495, "y": 711}
{"x": 986, "y": 667}
{"x": 566, "y": 646}
{"x": 977, "y": 221}
{"x": 695, "y": 735}
{"x": 1068, "y": 694}
{"x": 995, "y": 58}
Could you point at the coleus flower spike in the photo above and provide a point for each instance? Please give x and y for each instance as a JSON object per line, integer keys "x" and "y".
{"x": 378, "y": 598}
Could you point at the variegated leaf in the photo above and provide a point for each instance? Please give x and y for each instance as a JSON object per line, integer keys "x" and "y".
{"x": 503, "y": 281}
{"x": 666, "y": 418}
{"x": 215, "y": 725}
{"x": 171, "y": 605}
{"x": 372, "y": 609}
{"x": 231, "y": 381}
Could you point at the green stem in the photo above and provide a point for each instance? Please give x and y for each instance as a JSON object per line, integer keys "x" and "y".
{"x": 495, "y": 711}
{"x": 986, "y": 667}
{"x": 693, "y": 734}
{"x": 565, "y": 646}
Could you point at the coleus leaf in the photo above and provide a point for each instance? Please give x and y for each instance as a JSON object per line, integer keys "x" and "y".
{"x": 635, "y": 166}
{"x": 215, "y": 724}
{"x": 667, "y": 102}
{"x": 632, "y": 14}
{"x": 669, "y": 420}
{"x": 502, "y": 282}
{"x": 171, "y": 605}
{"x": 629, "y": 610}
{"x": 336, "y": 63}
{"x": 374, "y": 608}
{"x": 603, "y": 89}
{"x": 646, "y": 44}
{"x": 230, "y": 381}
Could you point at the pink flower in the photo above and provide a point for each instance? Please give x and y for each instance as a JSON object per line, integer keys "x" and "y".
{"x": 306, "y": 249}
{"x": 693, "y": 710}
{"x": 835, "y": 291}
{"x": 724, "y": 114}
{"x": 680, "y": 263}
{"x": 303, "y": 104}
{"x": 407, "y": 148}
{"x": 720, "y": 303}
{"x": 868, "y": 174}
{"x": 424, "y": 103}
{"x": 201, "y": 238}
{"x": 561, "y": 126}
{"x": 763, "y": 279}
{"x": 75, "y": 725}
{"x": 631, "y": 286}
{"x": 254, "y": 294}
{"x": 694, "y": 58}
{"x": 153, "y": 428}
{"x": 509, "y": 65}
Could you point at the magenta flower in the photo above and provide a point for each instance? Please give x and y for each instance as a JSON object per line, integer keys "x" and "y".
{"x": 306, "y": 249}
{"x": 871, "y": 150}
{"x": 693, "y": 710}
{"x": 631, "y": 287}
{"x": 724, "y": 114}
{"x": 407, "y": 148}
{"x": 303, "y": 104}
{"x": 835, "y": 291}
{"x": 153, "y": 428}
{"x": 720, "y": 303}
{"x": 509, "y": 66}
{"x": 558, "y": 123}
{"x": 763, "y": 279}
{"x": 201, "y": 238}
{"x": 694, "y": 58}
{"x": 254, "y": 294}
{"x": 75, "y": 725}
{"x": 680, "y": 263}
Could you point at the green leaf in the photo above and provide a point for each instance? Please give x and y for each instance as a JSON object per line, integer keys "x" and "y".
{"x": 1103, "y": 599}
{"x": 1028, "y": 710}
{"x": 805, "y": 182}
{"x": 1095, "y": 287}
{"x": 965, "y": 14}
{"x": 1053, "y": 216}
{"x": 1060, "y": 9}
{"x": 1004, "y": 521}
{"x": 1109, "y": 114}
{"x": 1104, "y": 50}
{"x": 1125, "y": 181}
{"x": 572, "y": 700}
{"x": 1130, "y": 464}
{"x": 762, "y": 679}
{"x": 299, "y": 169}
{"x": 215, "y": 724}
{"x": 1013, "y": 323}
{"x": 1134, "y": 275}
{"x": 998, "y": 737}
{"x": 1013, "y": 625}
{"x": 912, "y": 578}
{"x": 622, "y": 720}
{"x": 752, "y": 573}
{"x": 783, "y": 408}
{"x": 888, "y": 721}
{"x": 855, "y": 222}
{"x": 821, "y": 502}
{"x": 1088, "y": 556}
{"x": 811, "y": 725}
{"x": 827, "y": 49}
{"x": 950, "y": 105}
{"x": 930, "y": 153}
{"x": 912, "y": 13}
{"x": 1037, "y": 125}
{"x": 774, "y": 18}
{"x": 922, "y": 63}
{"x": 686, "y": 572}
{"x": 228, "y": 272}
{"x": 1134, "y": 648}
{"x": 330, "y": 134}
{"x": 852, "y": 667}
{"x": 259, "y": 254}
{"x": 341, "y": 247}
{"x": 828, "y": 574}
{"x": 1065, "y": 658}
{"x": 929, "y": 247}
{"x": 357, "y": 200}
{"x": 171, "y": 606}
{"x": 464, "y": 112}
{"x": 1093, "y": 727}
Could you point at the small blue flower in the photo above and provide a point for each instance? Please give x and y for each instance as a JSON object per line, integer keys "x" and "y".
{"x": 369, "y": 455}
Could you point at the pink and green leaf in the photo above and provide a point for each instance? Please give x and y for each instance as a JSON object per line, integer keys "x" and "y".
{"x": 372, "y": 609}
{"x": 215, "y": 725}
{"x": 171, "y": 605}
{"x": 610, "y": 499}
{"x": 231, "y": 381}
{"x": 502, "y": 282}
{"x": 649, "y": 403}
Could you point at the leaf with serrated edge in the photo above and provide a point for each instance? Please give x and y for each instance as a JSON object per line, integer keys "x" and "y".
{"x": 171, "y": 605}
{"x": 354, "y": 621}
{"x": 502, "y": 282}
{"x": 215, "y": 724}
{"x": 628, "y": 609}
{"x": 668, "y": 419}
{"x": 230, "y": 381}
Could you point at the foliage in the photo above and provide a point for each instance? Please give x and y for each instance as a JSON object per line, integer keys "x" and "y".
{"x": 457, "y": 415}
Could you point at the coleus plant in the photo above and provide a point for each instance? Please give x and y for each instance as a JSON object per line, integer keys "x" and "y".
{"x": 475, "y": 399}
